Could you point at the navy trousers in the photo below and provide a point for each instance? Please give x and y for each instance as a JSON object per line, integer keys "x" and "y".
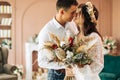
{"x": 55, "y": 75}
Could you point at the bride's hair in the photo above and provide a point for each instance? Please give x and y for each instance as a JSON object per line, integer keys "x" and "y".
{"x": 90, "y": 15}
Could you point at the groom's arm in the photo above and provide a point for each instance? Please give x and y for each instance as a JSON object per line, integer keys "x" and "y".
{"x": 43, "y": 60}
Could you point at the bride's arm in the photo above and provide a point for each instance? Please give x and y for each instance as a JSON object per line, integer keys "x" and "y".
{"x": 97, "y": 55}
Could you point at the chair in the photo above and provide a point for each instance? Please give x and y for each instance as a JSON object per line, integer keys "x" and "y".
{"x": 6, "y": 70}
{"x": 111, "y": 70}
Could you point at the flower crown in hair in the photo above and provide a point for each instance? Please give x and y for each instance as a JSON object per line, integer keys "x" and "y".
{"x": 90, "y": 11}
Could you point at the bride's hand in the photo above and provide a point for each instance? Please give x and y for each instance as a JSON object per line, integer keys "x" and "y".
{"x": 80, "y": 66}
{"x": 69, "y": 71}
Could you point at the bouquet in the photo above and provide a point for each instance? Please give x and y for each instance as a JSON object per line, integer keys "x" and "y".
{"x": 109, "y": 43}
{"x": 71, "y": 50}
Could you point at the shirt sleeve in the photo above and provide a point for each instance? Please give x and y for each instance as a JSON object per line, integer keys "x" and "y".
{"x": 43, "y": 60}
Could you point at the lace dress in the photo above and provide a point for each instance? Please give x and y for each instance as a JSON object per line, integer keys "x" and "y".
{"x": 91, "y": 72}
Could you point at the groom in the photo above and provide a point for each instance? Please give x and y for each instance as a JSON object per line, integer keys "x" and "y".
{"x": 66, "y": 10}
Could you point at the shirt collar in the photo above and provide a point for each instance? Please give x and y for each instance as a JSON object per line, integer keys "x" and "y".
{"x": 58, "y": 25}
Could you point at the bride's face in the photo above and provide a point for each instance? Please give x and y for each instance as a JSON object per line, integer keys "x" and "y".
{"x": 79, "y": 20}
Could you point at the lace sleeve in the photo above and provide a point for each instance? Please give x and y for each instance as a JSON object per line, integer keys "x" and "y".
{"x": 90, "y": 72}
{"x": 97, "y": 55}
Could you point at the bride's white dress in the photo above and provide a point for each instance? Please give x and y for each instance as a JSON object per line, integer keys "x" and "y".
{"x": 91, "y": 72}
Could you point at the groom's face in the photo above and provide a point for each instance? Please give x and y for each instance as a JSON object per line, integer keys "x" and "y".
{"x": 70, "y": 13}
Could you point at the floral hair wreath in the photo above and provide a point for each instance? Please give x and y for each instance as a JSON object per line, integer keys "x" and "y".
{"x": 90, "y": 11}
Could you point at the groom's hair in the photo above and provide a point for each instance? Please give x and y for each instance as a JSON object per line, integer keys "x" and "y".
{"x": 65, "y": 4}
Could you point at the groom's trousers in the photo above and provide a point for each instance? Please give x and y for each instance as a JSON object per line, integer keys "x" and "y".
{"x": 56, "y": 74}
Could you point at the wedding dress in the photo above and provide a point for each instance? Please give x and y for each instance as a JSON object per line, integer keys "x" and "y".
{"x": 91, "y": 72}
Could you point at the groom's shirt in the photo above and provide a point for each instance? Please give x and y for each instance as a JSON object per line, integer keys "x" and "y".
{"x": 55, "y": 28}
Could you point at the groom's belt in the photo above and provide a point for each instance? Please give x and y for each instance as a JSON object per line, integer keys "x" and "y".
{"x": 60, "y": 70}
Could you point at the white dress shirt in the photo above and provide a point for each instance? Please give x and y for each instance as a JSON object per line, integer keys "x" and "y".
{"x": 52, "y": 27}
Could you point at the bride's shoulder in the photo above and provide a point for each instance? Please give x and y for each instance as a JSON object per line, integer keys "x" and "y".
{"x": 95, "y": 35}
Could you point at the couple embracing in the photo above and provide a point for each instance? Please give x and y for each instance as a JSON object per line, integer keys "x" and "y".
{"x": 79, "y": 20}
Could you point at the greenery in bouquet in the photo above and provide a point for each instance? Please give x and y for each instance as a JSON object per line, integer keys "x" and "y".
{"x": 80, "y": 58}
{"x": 72, "y": 50}
{"x": 109, "y": 43}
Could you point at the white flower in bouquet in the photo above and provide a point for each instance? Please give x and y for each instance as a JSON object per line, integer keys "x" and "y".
{"x": 62, "y": 43}
{"x": 69, "y": 54}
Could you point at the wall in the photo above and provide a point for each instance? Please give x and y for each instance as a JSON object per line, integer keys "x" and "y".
{"x": 31, "y": 15}
{"x": 12, "y": 58}
{"x": 106, "y": 17}
{"x": 116, "y": 21}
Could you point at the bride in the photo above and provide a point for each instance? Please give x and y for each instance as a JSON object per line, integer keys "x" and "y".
{"x": 86, "y": 20}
